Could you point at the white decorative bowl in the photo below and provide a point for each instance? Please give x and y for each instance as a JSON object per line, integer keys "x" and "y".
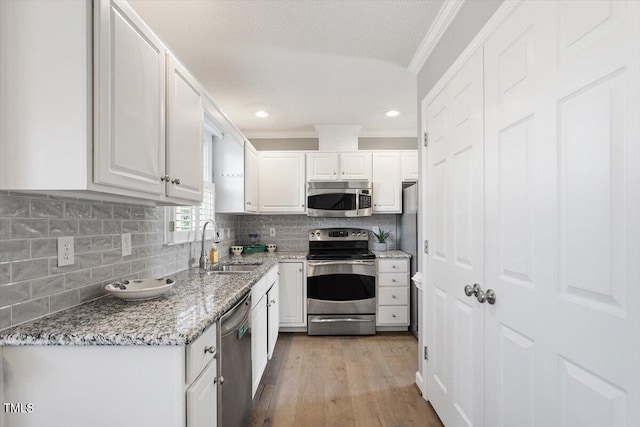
{"x": 140, "y": 289}
{"x": 237, "y": 250}
{"x": 271, "y": 247}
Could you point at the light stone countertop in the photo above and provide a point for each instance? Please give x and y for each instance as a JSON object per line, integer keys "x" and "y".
{"x": 176, "y": 318}
{"x": 391, "y": 254}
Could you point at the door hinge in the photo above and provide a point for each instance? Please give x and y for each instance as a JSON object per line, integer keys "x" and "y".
{"x": 426, "y": 139}
{"x": 426, "y": 247}
{"x": 426, "y": 353}
{"x": 172, "y": 226}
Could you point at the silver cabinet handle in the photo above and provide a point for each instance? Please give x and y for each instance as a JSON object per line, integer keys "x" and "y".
{"x": 491, "y": 296}
{"x": 211, "y": 349}
{"x": 165, "y": 178}
{"x": 176, "y": 181}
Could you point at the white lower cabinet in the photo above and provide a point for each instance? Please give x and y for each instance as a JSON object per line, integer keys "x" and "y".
{"x": 293, "y": 295}
{"x": 202, "y": 399}
{"x": 393, "y": 294}
{"x": 273, "y": 316}
{"x": 147, "y": 385}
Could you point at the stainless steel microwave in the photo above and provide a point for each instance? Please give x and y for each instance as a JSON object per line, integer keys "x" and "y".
{"x": 339, "y": 198}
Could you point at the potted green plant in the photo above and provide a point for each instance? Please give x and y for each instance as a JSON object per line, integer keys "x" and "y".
{"x": 380, "y": 244}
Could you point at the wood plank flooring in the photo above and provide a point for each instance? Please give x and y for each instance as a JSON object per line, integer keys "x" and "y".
{"x": 342, "y": 381}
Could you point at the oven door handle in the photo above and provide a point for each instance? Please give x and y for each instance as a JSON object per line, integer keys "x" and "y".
{"x": 344, "y": 319}
{"x": 352, "y": 262}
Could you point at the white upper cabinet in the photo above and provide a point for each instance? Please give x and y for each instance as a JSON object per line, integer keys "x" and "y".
{"x": 409, "y": 165}
{"x": 355, "y": 165}
{"x": 330, "y": 166}
{"x": 322, "y": 166}
{"x": 251, "y": 168}
{"x": 387, "y": 186}
{"x": 129, "y": 144}
{"x": 282, "y": 183}
{"x": 184, "y": 129}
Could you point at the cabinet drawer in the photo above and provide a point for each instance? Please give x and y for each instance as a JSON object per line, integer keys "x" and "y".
{"x": 272, "y": 276}
{"x": 393, "y": 279}
{"x": 393, "y": 296}
{"x": 393, "y": 266}
{"x": 395, "y": 315}
{"x": 259, "y": 290}
{"x": 200, "y": 353}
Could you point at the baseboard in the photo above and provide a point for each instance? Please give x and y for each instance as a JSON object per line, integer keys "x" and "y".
{"x": 420, "y": 385}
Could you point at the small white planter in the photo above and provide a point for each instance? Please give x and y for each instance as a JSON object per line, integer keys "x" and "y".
{"x": 380, "y": 247}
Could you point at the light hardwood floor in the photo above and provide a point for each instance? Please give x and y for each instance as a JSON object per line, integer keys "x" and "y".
{"x": 342, "y": 381}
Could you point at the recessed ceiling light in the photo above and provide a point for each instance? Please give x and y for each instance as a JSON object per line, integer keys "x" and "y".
{"x": 262, "y": 114}
{"x": 392, "y": 113}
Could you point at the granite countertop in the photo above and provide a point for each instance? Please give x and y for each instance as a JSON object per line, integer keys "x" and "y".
{"x": 391, "y": 254}
{"x": 176, "y": 318}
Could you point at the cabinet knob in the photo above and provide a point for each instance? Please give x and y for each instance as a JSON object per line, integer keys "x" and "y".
{"x": 165, "y": 178}
{"x": 394, "y": 266}
{"x": 334, "y": 173}
{"x": 393, "y": 280}
{"x": 272, "y": 301}
{"x": 393, "y": 315}
{"x": 176, "y": 181}
{"x": 211, "y": 349}
{"x": 393, "y": 296}
{"x": 221, "y": 380}
{"x": 342, "y": 173}
{"x": 302, "y": 205}
{"x": 249, "y": 203}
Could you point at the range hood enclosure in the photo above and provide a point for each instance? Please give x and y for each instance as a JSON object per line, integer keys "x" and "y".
{"x": 338, "y": 137}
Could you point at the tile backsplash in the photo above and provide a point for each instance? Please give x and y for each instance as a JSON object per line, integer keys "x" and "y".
{"x": 292, "y": 230}
{"x": 31, "y": 283}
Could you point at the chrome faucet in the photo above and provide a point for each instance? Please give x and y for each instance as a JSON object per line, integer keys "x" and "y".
{"x": 203, "y": 259}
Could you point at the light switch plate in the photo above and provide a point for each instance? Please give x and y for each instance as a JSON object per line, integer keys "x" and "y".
{"x": 126, "y": 244}
{"x": 65, "y": 251}
{"x": 272, "y": 232}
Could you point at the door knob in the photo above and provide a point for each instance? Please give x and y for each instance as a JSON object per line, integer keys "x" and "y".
{"x": 491, "y": 296}
{"x": 468, "y": 290}
{"x": 481, "y": 297}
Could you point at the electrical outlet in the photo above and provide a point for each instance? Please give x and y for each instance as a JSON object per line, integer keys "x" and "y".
{"x": 126, "y": 244}
{"x": 66, "y": 255}
{"x": 272, "y": 232}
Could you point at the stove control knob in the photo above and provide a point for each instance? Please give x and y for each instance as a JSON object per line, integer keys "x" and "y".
{"x": 353, "y": 233}
{"x": 317, "y": 234}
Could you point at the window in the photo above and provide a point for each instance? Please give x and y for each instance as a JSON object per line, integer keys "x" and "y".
{"x": 185, "y": 222}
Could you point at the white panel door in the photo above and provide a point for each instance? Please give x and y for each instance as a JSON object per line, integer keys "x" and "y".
{"x": 562, "y": 208}
{"x": 282, "y": 184}
{"x": 322, "y": 167}
{"x": 184, "y": 133}
{"x": 456, "y": 257}
{"x": 355, "y": 165}
{"x": 129, "y": 145}
{"x": 292, "y": 294}
{"x": 202, "y": 399}
{"x": 251, "y": 176}
{"x": 387, "y": 187}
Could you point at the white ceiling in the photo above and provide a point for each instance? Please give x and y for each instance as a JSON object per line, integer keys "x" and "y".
{"x": 306, "y": 62}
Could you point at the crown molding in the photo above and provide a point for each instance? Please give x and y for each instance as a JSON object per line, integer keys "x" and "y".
{"x": 391, "y": 133}
{"x": 443, "y": 19}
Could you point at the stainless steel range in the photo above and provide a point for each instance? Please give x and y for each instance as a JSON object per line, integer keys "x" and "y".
{"x": 341, "y": 283}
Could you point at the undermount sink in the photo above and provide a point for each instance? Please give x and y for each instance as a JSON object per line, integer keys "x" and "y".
{"x": 233, "y": 268}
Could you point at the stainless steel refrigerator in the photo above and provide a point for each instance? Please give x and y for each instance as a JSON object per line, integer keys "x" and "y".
{"x": 408, "y": 239}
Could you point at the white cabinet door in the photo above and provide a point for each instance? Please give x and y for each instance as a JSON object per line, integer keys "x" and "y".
{"x": 409, "y": 165}
{"x": 273, "y": 303}
{"x": 387, "y": 187}
{"x": 456, "y": 253}
{"x": 129, "y": 143}
{"x": 282, "y": 182}
{"x": 292, "y": 294}
{"x": 251, "y": 171}
{"x": 322, "y": 166}
{"x": 563, "y": 189}
{"x": 259, "y": 351}
{"x": 184, "y": 128}
{"x": 202, "y": 399}
{"x": 355, "y": 165}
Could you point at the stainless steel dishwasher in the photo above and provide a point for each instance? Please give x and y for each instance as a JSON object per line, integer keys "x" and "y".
{"x": 234, "y": 366}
